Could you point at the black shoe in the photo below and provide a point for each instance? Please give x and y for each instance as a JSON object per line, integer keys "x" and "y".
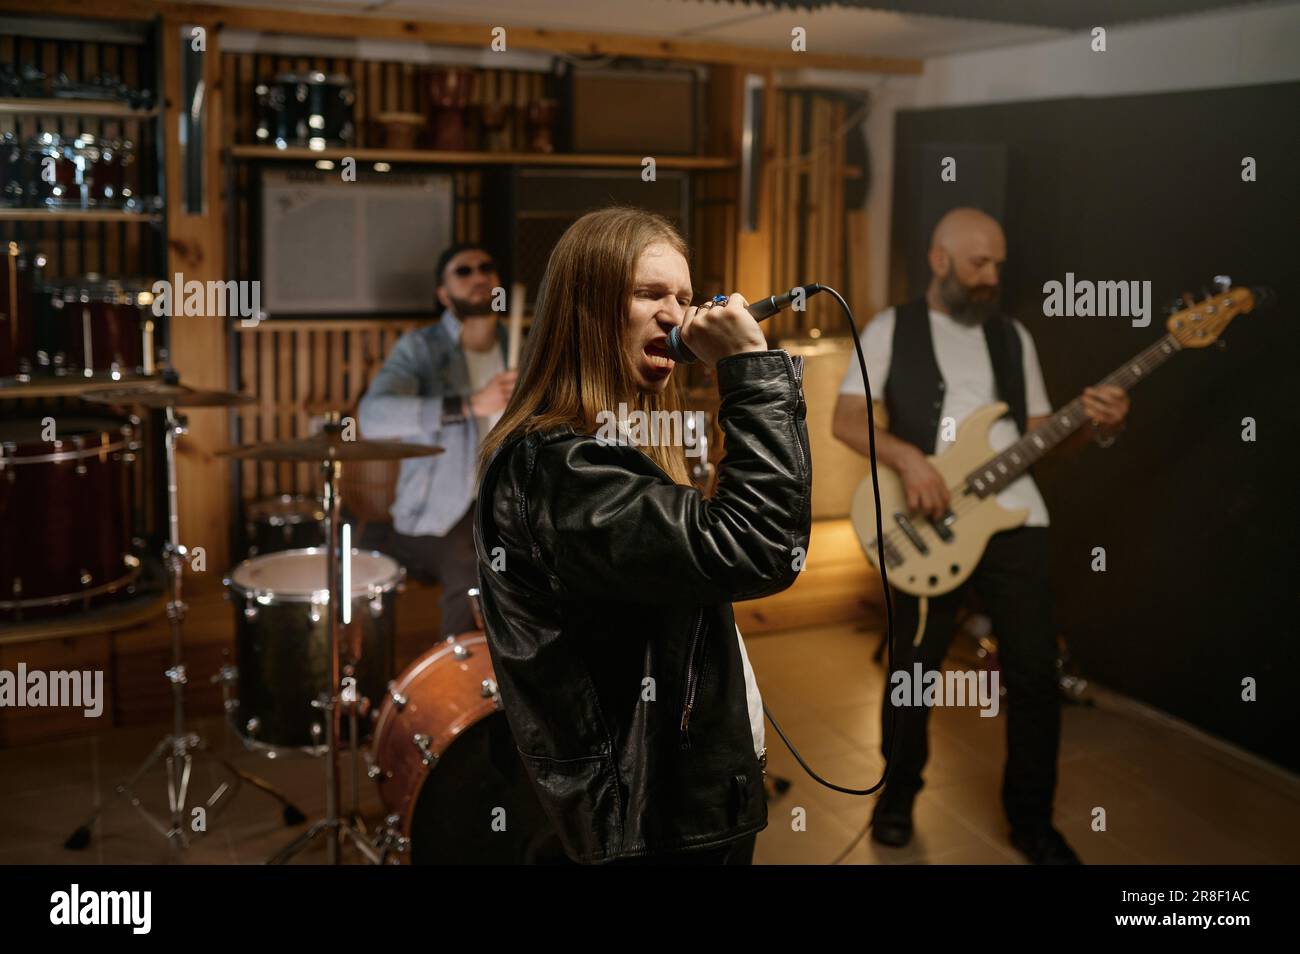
{"x": 1043, "y": 846}
{"x": 891, "y": 824}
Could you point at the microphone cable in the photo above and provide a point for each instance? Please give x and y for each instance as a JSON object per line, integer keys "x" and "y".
{"x": 889, "y": 602}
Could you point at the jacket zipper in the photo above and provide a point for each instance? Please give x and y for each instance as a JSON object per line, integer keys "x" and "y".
{"x": 797, "y": 374}
{"x": 692, "y": 681}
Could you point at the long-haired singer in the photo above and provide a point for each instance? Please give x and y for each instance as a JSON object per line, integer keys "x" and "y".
{"x": 608, "y": 579}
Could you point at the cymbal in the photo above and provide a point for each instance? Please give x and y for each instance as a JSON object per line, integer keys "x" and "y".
{"x": 329, "y": 445}
{"x": 165, "y": 395}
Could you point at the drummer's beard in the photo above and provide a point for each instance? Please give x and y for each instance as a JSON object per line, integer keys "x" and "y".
{"x": 469, "y": 308}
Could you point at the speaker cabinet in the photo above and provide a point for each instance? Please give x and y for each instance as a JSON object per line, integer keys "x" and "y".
{"x": 356, "y": 248}
{"x": 526, "y": 210}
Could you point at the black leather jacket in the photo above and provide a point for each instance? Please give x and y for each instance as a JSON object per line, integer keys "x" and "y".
{"x": 609, "y": 616}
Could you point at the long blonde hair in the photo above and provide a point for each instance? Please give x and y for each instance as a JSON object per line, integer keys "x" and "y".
{"x": 577, "y": 362}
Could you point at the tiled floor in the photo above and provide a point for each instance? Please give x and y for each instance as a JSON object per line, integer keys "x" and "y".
{"x": 1170, "y": 795}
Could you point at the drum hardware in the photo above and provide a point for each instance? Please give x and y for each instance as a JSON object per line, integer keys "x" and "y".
{"x": 329, "y": 449}
{"x": 178, "y": 748}
{"x": 475, "y": 597}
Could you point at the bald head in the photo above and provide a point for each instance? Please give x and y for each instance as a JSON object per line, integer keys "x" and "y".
{"x": 966, "y": 232}
{"x": 967, "y": 250}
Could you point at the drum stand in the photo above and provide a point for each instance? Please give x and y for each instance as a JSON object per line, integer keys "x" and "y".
{"x": 342, "y": 694}
{"x": 178, "y": 748}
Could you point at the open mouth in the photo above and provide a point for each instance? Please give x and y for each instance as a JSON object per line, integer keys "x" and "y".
{"x": 657, "y": 355}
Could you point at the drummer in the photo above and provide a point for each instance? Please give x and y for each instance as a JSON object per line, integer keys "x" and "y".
{"x": 443, "y": 384}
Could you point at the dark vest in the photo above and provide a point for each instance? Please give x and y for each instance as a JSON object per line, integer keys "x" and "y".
{"x": 915, "y": 388}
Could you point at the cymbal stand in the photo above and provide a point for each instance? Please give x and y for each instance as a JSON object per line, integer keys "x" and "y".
{"x": 177, "y": 749}
{"x": 335, "y": 827}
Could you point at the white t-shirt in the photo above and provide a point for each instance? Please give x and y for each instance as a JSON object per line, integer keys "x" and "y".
{"x": 753, "y": 699}
{"x": 482, "y": 366}
{"x": 963, "y": 358}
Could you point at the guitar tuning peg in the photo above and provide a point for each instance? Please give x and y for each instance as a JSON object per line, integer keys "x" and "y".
{"x": 1188, "y": 299}
{"x": 1173, "y": 306}
{"x": 1222, "y": 282}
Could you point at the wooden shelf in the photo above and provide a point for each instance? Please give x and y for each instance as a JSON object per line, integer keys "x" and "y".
{"x": 77, "y": 215}
{"x": 65, "y": 386}
{"x": 434, "y": 157}
{"x": 73, "y": 107}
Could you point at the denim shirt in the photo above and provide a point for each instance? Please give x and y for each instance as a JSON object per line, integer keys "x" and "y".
{"x": 404, "y": 402}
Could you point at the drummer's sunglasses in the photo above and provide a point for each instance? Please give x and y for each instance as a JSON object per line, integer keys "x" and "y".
{"x": 465, "y": 271}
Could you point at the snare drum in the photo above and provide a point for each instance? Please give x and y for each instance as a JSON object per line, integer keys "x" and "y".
{"x": 84, "y": 172}
{"x": 448, "y": 767}
{"x": 287, "y": 522}
{"x": 102, "y": 327}
{"x": 305, "y": 109}
{"x": 65, "y": 510}
{"x": 283, "y": 647}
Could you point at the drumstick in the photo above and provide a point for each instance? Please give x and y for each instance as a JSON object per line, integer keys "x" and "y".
{"x": 517, "y": 292}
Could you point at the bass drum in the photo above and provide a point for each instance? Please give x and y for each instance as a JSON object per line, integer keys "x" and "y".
{"x": 448, "y": 767}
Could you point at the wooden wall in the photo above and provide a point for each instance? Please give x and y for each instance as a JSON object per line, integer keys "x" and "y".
{"x": 814, "y": 237}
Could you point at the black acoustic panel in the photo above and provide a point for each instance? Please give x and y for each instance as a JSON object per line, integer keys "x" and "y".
{"x": 527, "y": 210}
{"x": 981, "y": 183}
{"x": 1201, "y": 577}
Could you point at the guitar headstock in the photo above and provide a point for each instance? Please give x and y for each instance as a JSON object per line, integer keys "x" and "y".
{"x": 1199, "y": 325}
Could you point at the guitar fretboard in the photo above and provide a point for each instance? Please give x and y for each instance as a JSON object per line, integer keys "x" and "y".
{"x": 996, "y": 474}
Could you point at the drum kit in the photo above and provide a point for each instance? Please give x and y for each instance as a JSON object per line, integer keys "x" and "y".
{"x": 315, "y": 646}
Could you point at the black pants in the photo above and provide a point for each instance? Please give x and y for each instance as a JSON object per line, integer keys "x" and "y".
{"x": 449, "y": 560}
{"x": 1012, "y": 580}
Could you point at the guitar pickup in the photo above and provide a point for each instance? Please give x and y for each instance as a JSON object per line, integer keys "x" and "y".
{"x": 892, "y": 557}
{"x": 910, "y": 532}
{"x": 942, "y": 524}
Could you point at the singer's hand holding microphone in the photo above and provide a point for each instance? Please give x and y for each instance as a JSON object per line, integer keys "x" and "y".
{"x": 714, "y": 330}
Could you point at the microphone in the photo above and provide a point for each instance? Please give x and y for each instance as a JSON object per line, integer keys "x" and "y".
{"x": 761, "y": 310}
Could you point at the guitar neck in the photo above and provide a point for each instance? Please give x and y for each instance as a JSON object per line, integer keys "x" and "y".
{"x": 997, "y": 473}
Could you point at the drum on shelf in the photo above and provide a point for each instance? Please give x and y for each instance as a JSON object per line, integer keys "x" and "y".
{"x": 20, "y": 276}
{"x": 80, "y": 172}
{"x": 305, "y": 109}
{"x": 446, "y": 761}
{"x": 281, "y": 603}
{"x": 101, "y": 327}
{"x": 287, "y": 522}
{"x": 66, "y": 511}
